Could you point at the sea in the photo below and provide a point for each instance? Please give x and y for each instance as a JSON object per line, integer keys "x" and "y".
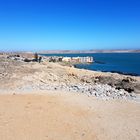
{"x": 123, "y": 63}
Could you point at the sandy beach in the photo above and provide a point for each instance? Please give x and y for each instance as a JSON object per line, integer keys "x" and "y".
{"x": 48, "y": 101}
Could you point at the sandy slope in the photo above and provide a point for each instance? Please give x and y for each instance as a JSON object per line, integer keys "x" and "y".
{"x": 63, "y": 116}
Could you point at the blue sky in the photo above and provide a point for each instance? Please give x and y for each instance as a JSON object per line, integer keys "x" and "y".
{"x": 69, "y": 24}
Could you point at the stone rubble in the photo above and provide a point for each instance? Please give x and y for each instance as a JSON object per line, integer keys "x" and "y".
{"x": 97, "y": 90}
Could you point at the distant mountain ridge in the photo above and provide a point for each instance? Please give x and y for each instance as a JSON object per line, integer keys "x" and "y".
{"x": 87, "y": 51}
{"x": 74, "y": 51}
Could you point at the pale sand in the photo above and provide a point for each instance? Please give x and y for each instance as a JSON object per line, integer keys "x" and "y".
{"x": 65, "y": 116}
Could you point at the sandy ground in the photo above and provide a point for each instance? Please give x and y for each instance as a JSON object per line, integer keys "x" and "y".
{"x": 62, "y": 116}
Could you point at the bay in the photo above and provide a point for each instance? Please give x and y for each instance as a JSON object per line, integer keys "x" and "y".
{"x": 126, "y": 63}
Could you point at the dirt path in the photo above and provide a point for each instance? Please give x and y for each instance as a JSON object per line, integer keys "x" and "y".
{"x": 65, "y": 116}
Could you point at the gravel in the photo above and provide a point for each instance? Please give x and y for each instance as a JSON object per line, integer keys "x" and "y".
{"x": 96, "y": 90}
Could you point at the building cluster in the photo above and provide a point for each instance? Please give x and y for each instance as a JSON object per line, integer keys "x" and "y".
{"x": 29, "y": 57}
{"x": 78, "y": 59}
{"x": 69, "y": 59}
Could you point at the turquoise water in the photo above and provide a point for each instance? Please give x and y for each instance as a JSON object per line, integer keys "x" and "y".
{"x": 127, "y": 63}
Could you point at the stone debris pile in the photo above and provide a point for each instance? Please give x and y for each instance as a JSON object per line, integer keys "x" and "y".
{"x": 97, "y": 90}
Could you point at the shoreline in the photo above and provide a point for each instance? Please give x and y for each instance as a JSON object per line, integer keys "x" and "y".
{"x": 117, "y": 72}
{"x": 105, "y": 65}
{"x": 75, "y": 65}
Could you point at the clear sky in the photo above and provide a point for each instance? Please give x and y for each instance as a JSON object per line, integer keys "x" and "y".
{"x": 69, "y": 24}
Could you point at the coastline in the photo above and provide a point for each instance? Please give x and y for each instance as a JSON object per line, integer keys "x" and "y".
{"x": 118, "y": 72}
{"x": 122, "y": 63}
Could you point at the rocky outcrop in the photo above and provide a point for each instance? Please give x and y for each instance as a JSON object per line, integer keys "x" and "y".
{"x": 128, "y": 84}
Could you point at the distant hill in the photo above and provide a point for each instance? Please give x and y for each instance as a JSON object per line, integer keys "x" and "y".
{"x": 88, "y": 51}
{"x": 73, "y": 51}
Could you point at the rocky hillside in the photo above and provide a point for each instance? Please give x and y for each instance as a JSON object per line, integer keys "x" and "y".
{"x": 18, "y": 75}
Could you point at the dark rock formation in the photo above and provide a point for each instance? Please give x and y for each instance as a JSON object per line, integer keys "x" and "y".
{"x": 128, "y": 83}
